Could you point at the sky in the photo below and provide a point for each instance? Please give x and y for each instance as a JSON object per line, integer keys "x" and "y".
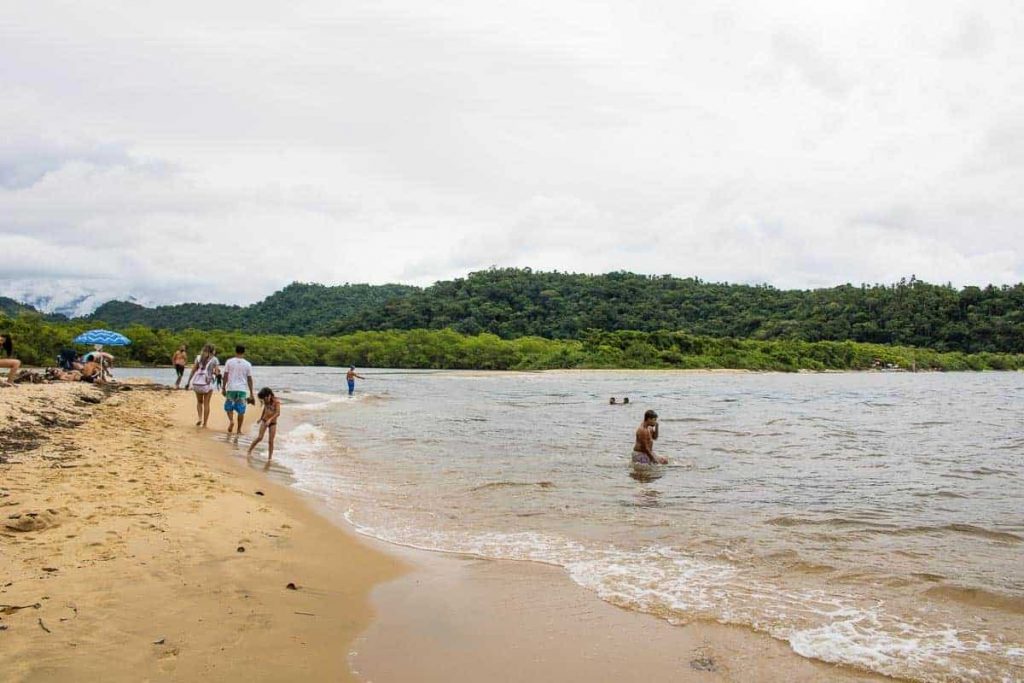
{"x": 197, "y": 151}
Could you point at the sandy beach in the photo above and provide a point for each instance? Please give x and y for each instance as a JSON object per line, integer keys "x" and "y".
{"x": 136, "y": 547}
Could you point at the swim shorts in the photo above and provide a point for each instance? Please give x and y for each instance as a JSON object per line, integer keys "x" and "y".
{"x": 640, "y": 458}
{"x": 235, "y": 402}
{"x": 180, "y": 369}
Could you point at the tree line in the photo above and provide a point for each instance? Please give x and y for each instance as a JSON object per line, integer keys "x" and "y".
{"x": 519, "y": 302}
{"x": 38, "y": 342}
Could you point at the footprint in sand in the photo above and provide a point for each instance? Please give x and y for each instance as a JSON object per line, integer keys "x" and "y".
{"x": 33, "y": 521}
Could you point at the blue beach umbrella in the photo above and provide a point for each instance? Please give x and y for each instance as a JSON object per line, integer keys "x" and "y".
{"x": 104, "y": 337}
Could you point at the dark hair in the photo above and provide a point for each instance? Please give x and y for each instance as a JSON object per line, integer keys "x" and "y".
{"x": 239, "y": 349}
{"x": 265, "y": 393}
{"x": 649, "y": 414}
{"x": 8, "y": 344}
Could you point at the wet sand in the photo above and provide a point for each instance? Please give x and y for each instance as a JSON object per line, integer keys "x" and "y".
{"x": 460, "y": 618}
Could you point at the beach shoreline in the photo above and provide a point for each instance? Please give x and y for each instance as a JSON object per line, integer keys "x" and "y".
{"x": 136, "y": 548}
{"x": 138, "y": 575}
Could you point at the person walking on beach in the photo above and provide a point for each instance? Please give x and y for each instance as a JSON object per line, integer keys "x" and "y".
{"x": 350, "y": 377}
{"x": 179, "y": 359}
{"x": 237, "y": 379}
{"x": 9, "y": 361}
{"x": 201, "y": 379}
{"x": 268, "y": 422}
{"x": 646, "y": 435}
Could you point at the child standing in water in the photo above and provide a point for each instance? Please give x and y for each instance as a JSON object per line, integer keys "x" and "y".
{"x": 268, "y": 421}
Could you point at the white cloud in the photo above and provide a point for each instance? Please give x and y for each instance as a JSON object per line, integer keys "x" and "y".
{"x": 198, "y": 152}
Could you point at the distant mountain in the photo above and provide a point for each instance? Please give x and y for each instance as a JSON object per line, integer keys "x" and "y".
{"x": 297, "y": 309}
{"x": 58, "y": 297}
{"x": 12, "y": 308}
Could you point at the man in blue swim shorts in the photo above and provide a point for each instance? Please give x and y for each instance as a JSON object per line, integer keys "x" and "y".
{"x": 350, "y": 377}
{"x": 237, "y": 378}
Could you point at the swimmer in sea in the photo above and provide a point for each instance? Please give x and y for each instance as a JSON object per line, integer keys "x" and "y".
{"x": 646, "y": 434}
{"x": 350, "y": 378}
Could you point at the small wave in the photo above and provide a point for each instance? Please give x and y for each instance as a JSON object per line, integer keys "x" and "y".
{"x": 978, "y": 597}
{"x": 513, "y": 484}
{"x": 968, "y": 529}
{"x": 303, "y": 439}
{"x": 785, "y": 521}
{"x": 672, "y": 585}
{"x": 939, "y": 494}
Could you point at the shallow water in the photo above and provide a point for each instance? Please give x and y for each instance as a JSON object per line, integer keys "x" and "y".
{"x": 871, "y": 519}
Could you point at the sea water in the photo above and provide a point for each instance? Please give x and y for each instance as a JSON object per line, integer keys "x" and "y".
{"x": 872, "y": 519}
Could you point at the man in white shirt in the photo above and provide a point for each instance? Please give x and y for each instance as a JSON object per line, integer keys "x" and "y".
{"x": 237, "y": 375}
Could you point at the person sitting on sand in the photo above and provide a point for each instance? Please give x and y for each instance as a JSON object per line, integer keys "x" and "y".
{"x": 59, "y": 375}
{"x": 646, "y": 434}
{"x": 179, "y": 360}
{"x": 268, "y": 421}
{"x": 92, "y": 372}
{"x": 201, "y": 379}
{"x": 10, "y": 362}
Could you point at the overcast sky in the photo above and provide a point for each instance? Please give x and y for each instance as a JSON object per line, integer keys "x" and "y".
{"x": 216, "y": 151}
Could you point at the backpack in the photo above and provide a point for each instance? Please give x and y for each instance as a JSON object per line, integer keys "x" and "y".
{"x": 66, "y": 359}
{"x": 202, "y": 381}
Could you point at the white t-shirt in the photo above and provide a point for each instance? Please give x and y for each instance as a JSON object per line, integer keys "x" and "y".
{"x": 238, "y": 372}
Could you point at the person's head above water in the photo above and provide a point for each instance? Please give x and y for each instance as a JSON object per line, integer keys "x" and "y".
{"x": 626, "y": 400}
{"x": 650, "y": 416}
{"x": 611, "y": 401}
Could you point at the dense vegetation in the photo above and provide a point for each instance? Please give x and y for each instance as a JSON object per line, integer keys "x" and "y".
{"x": 38, "y": 341}
{"x": 296, "y": 309}
{"x": 512, "y": 303}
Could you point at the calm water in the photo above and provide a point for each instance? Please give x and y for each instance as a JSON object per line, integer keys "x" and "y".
{"x": 870, "y": 519}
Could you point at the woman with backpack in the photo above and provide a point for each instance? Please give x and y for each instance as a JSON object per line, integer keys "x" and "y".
{"x": 203, "y": 378}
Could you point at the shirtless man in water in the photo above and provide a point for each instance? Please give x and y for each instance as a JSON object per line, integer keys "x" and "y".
{"x": 646, "y": 434}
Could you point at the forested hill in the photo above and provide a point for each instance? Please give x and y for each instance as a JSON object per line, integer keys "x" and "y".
{"x": 519, "y": 302}
{"x": 10, "y": 307}
{"x": 296, "y": 309}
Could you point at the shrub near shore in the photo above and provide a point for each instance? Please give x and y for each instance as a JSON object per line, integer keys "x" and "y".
{"x": 38, "y": 342}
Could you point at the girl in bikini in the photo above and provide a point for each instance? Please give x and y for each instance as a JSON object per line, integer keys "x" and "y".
{"x": 268, "y": 421}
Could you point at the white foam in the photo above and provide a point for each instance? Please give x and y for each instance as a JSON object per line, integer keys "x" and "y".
{"x": 663, "y": 581}
{"x": 314, "y": 400}
{"x": 303, "y": 439}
